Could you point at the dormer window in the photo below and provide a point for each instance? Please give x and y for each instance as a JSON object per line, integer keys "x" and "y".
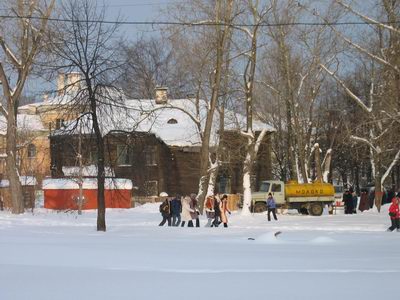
{"x": 31, "y": 151}
{"x": 172, "y": 121}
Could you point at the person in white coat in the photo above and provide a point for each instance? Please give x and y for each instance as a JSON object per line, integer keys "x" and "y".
{"x": 186, "y": 210}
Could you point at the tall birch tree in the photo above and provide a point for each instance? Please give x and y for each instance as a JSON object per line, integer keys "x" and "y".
{"x": 21, "y": 40}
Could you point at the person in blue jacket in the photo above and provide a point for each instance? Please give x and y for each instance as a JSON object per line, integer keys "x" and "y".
{"x": 176, "y": 209}
{"x": 271, "y": 207}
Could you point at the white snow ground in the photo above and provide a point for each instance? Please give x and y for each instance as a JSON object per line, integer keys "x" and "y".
{"x": 58, "y": 255}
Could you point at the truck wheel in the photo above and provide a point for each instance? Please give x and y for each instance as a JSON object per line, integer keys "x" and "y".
{"x": 260, "y": 207}
{"x": 303, "y": 211}
{"x": 315, "y": 209}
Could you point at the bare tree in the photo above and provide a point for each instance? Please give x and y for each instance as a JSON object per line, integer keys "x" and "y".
{"x": 151, "y": 62}
{"x": 21, "y": 39}
{"x": 205, "y": 55}
{"x": 85, "y": 45}
{"x": 257, "y": 14}
{"x": 380, "y": 104}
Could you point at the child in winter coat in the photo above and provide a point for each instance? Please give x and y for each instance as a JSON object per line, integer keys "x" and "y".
{"x": 271, "y": 206}
{"x": 209, "y": 208}
{"x": 394, "y": 213}
{"x": 165, "y": 210}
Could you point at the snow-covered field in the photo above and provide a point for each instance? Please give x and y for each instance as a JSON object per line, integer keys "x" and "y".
{"x": 50, "y": 255}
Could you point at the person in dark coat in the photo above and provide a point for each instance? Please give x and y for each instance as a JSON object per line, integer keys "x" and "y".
{"x": 394, "y": 213}
{"x": 176, "y": 209}
{"x": 217, "y": 211}
{"x": 355, "y": 202}
{"x": 371, "y": 198}
{"x": 348, "y": 202}
{"x": 165, "y": 210}
{"x": 364, "y": 203}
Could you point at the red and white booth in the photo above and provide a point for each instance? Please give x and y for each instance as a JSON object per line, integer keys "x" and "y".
{"x": 63, "y": 193}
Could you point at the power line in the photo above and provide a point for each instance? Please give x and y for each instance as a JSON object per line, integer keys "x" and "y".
{"x": 139, "y": 4}
{"x": 202, "y": 23}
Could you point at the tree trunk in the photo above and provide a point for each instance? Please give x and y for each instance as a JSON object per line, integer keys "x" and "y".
{"x": 101, "y": 207}
{"x": 247, "y": 169}
{"x": 12, "y": 168}
{"x": 216, "y": 84}
{"x": 378, "y": 191}
{"x": 327, "y": 165}
{"x": 318, "y": 163}
{"x": 212, "y": 180}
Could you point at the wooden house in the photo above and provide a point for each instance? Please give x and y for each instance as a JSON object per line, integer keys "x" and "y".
{"x": 156, "y": 144}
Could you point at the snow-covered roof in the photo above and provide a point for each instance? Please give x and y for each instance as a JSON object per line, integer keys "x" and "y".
{"x": 90, "y": 170}
{"x": 24, "y": 122}
{"x": 59, "y": 100}
{"x": 25, "y": 181}
{"x": 88, "y": 184}
{"x": 175, "y": 122}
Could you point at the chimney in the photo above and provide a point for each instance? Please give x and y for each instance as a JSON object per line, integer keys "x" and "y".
{"x": 161, "y": 93}
{"x": 68, "y": 82}
{"x": 73, "y": 81}
{"x": 61, "y": 84}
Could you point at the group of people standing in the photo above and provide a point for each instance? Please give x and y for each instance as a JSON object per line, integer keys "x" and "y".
{"x": 179, "y": 210}
{"x": 350, "y": 200}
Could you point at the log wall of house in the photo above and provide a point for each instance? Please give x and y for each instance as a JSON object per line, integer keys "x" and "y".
{"x": 174, "y": 170}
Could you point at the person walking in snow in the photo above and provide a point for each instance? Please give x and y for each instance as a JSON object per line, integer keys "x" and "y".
{"x": 224, "y": 209}
{"x": 348, "y": 202}
{"x": 165, "y": 210}
{"x": 364, "y": 204}
{"x": 394, "y": 213}
{"x": 217, "y": 211}
{"x": 210, "y": 212}
{"x": 355, "y": 202}
{"x": 176, "y": 209}
{"x": 193, "y": 205}
{"x": 271, "y": 207}
{"x": 186, "y": 212}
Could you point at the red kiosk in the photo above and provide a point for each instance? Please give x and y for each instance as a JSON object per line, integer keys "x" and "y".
{"x": 63, "y": 193}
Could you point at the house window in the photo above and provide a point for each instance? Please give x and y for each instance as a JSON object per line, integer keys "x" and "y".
{"x": 151, "y": 188}
{"x": 224, "y": 185}
{"x": 151, "y": 156}
{"x": 59, "y": 123}
{"x": 31, "y": 151}
{"x": 172, "y": 121}
{"x": 93, "y": 157}
{"x": 123, "y": 155}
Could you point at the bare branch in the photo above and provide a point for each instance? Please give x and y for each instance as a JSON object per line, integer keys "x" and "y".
{"x": 347, "y": 90}
{"x": 365, "y": 141}
{"x": 389, "y": 169}
{"x": 366, "y": 18}
{"x": 11, "y": 56}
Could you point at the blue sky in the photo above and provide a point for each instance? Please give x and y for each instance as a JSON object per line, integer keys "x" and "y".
{"x": 127, "y": 10}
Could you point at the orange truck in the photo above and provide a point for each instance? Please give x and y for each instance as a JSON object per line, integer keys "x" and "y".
{"x": 307, "y": 198}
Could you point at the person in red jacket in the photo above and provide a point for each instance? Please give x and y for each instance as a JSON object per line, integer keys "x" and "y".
{"x": 394, "y": 213}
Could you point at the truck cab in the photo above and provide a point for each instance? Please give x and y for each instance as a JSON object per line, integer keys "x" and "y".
{"x": 275, "y": 187}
